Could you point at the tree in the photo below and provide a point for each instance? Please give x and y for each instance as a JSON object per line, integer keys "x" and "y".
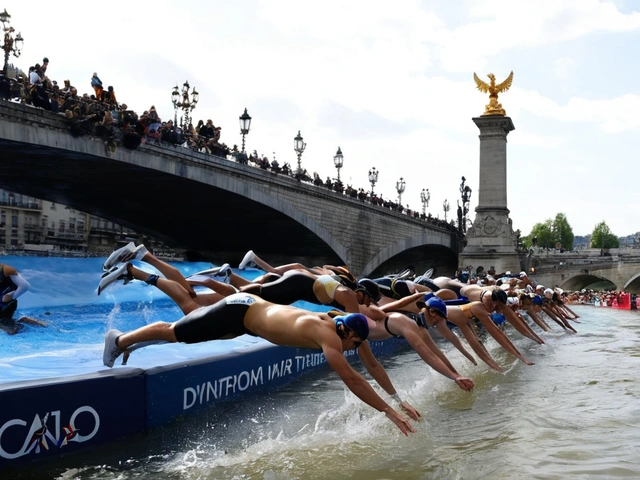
{"x": 544, "y": 233}
{"x": 562, "y": 231}
{"x": 601, "y": 237}
{"x": 445, "y": 207}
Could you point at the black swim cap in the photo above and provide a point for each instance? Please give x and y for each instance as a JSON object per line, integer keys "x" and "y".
{"x": 356, "y": 322}
{"x": 500, "y": 296}
{"x": 371, "y": 288}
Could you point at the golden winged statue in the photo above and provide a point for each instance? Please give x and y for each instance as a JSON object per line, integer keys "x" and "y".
{"x": 494, "y": 108}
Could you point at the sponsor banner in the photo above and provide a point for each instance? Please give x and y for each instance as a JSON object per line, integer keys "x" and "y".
{"x": 63, "y": 415}
{"x": 182, "y": 389}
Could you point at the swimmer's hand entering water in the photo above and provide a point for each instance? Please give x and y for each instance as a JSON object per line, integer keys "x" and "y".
{"x": 464, "y": 383}
{"x": 409, "y": 410}
{"x": 401, "y": 422}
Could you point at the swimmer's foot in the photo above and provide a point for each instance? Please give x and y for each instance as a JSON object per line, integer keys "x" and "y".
{"x": 221, "y": 274}
{"x": 118, "y": 256}
{"x": 137, "y": 254}
{"x": 111, "y": 350}
{"x": 119, "y": 272}
{"x": 247, "y": 260}
{"x": 405, "y": 274}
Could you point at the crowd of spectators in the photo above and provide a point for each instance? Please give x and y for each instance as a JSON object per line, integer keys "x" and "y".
{"x": 101, "y": 116}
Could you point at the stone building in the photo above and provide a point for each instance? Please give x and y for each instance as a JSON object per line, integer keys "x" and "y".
{"x": 33, "y": 226}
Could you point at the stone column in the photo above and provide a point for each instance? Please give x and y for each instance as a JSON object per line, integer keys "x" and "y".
{"x": 491, "y": 242}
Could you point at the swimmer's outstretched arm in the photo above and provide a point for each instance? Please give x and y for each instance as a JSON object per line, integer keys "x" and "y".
{"x": 481, "y": 314}
{"x": 541, "y": 323}
{"x": 361, "y": 388}
{"x": 478, "y": 347}
{"x": 410, "y": 331}
{"x": 556, "y": 319}
{"x": 379, "y": 374}
{"x": 403, "y": 302}
{"x": 520, "y": 325}
{"x": 454, "y": 340}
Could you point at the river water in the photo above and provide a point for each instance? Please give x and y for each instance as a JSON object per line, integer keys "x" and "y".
{"x": 574, "y": 414}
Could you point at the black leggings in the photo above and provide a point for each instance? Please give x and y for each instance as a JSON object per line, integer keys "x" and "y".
{"x": 287, "y": 290}
{"x": 221, "y": 320}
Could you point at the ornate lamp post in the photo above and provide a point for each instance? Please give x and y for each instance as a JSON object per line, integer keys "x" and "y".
{"x": 187, "y": 104}
{"x": 175, "y": 99}
{"x": 338, "y": 161}
{"x": 465, "y": 193}
{"x": 299, "y": 146}
{"x": 373, "y": 178}
{"x": 11, "y": 45}
{"x": 400, "y": 187}
{"x": 425, "y": 196}
{"x": 245, "y": 124}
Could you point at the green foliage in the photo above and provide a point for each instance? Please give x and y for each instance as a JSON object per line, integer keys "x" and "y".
{"x": 550, "y": 233}
{"x": 544, "y": 234}
{"x": 601, "y": 237}
{"x": 562, "y": 231}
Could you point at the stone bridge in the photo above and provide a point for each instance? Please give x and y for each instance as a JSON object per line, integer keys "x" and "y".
{"x": 213, "y": 208}
{"x": 619, "y": 270}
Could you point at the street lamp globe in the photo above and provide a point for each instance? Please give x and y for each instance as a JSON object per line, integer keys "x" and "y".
{"x": 299, "y": 146}
{"x": 245, "y": 125}
{"x": 400, "y": 188}
{"x": 4, "y": 18}
{"x": 338, "y": 161}
{"x": 373, "y": 178}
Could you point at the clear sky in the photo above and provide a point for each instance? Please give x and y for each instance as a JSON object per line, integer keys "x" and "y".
{"x": 391, "y": 83}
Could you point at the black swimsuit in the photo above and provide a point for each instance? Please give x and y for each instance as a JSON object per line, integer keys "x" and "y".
{"x": 225, "y": 319}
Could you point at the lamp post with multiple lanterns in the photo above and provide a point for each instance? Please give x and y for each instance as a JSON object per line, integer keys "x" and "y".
{"x": 11, "y": 44}
{"x": 373, "y": 178}
{"x": 187, "y": 104}
{"x": 425, "y": 196}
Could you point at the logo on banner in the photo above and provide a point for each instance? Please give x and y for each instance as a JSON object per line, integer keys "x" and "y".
{"x": 49, "y": 431}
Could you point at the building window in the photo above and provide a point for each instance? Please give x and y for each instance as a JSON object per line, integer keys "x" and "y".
{"x": 61, "y": 226}
{"x": 14, "y": 220}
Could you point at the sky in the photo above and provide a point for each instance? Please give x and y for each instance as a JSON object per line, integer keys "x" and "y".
{"x": 390, "y": 83}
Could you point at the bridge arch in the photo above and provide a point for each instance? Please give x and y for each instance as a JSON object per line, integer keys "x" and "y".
{"x": 300, "y": 217}
{"x": 586, "y": 280}
{"x": 423, "y": 251}
{"x": 633, "y": 284}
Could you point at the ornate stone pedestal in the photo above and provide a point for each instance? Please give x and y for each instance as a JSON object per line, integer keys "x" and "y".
{"x": 491, "y": 242}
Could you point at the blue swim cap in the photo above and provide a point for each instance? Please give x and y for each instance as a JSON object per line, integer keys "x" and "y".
{"x": 537, "y": 300}
{"x": 438, "y": 304}
{"x": 498, "y": 318}
{"x": 356, "y": 322}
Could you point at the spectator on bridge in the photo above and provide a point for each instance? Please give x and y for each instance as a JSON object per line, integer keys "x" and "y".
{"x": 96, "y": 84}
{"x": 5, "y": 88}
{"x": 207, "y": 131}
{"x": 35, "y": 75}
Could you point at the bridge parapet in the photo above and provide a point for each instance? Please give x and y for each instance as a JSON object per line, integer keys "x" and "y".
{"x": 201, "y": 202}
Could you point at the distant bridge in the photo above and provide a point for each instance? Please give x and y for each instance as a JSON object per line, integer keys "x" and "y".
{"x": 210, "y": 206}
{"x": 571, "y": 271}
